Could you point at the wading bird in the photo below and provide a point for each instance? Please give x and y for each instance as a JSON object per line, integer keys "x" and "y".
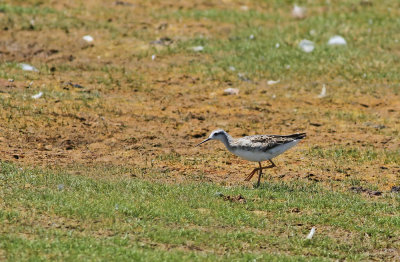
{"x": 256, "y": 148}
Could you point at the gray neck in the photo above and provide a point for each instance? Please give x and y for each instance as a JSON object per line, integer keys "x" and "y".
{"x": 227, "y": 140}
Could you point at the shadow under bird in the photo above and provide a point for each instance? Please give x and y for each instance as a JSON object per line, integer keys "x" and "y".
{"x": 256, "y": 148}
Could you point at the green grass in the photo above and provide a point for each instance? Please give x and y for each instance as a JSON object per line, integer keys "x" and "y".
{"x": 353, "y": 155}
{"x": 55, "y": 215}
{"x": 20, "y": 10}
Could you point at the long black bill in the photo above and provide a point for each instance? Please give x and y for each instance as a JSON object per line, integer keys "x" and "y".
{"x": 202, "y": 142}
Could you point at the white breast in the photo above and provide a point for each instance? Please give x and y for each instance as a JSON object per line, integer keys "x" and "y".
{"x": 259, "y": 156}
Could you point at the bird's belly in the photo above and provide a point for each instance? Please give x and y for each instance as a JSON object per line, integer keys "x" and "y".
{"x": 255, "y": 156}
{"x": 259, "y": 156}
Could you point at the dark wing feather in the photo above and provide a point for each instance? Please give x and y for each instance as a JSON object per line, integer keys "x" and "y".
{"x": 293, "y": 136}
{"x": 270, "y": 141}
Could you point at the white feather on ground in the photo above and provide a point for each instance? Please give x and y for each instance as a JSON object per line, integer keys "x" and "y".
{"x": 311, "y": 234}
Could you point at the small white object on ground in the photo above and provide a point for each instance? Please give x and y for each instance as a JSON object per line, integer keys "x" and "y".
{"x": 232, "y": 68}
{"x": 218, "y": 194}
{"x": 251, "y": 37}
{"x": 244, "y": 7}
{"x": 243, "y": 77}
{"x": 88, "y": 38}
{"x": 298, "y": 12}
{"x": 231, "y": 91}
{"x": 323, "y": 92}
{"x": 277, "y": 45}
{"x": 27, "y": 67}
{"x": 313, "y": 32}
{"x": 306, "y": 45}
{"x": 272, "y": 82}
{"x": 153, "y": 57}
{"x": 311, "y": 234}
{"x": 60, "y": 187}
{"x": 337, "y": 40}
{"x": 198, "y": 48}
{"x": 38, "y": 95}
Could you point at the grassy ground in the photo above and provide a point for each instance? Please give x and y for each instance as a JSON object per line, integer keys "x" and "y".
{"x": 102, "y": 165}
{"x": 47, "y": 215}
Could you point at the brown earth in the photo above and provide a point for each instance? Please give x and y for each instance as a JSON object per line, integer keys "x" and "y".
{"x": 108, "y": 103}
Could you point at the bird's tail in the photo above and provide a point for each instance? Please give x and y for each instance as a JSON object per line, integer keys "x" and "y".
{"x": 298, "y": 136}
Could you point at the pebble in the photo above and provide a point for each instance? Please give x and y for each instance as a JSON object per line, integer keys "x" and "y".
{"x": 88, "y": 38}
{"x": 337, "y": 40}
{"x": 231, "y": 91}
{"x": 198, "y": 48}
{"x": 306, "y": 45}
{"x": 27, "y": 67}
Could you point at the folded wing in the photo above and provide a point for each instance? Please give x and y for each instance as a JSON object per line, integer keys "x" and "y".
{"x": 266, "y": 142}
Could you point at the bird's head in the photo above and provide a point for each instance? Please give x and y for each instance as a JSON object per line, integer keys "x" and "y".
{"x": 215, "y": 135}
